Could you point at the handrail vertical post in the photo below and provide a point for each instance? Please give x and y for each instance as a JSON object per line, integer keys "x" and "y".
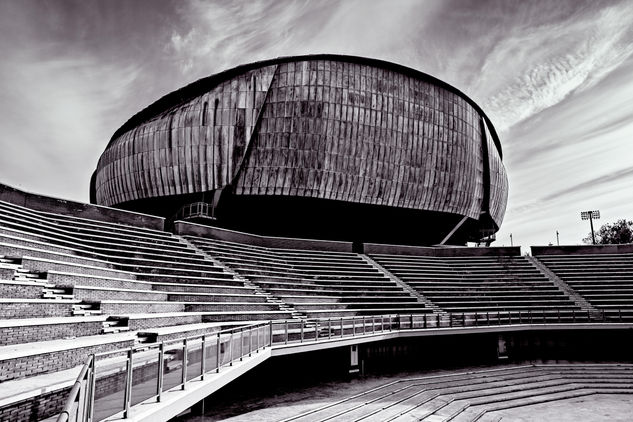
{"x": 128, "y": 384}
{"x": 270, "y": 325}
{"x": 242, "y": 344}
{"x": 93, "y": 382}
{"x": 250, "y": 342}
{"x": 353, "y": 326}
{"x": 217, "y": 353}
{"x": 184, "y": 362}
{"x": 231, "y": 348}
{"x": 316, "y": 330}
{"x": 161, "y": 371}
{"x": 302, "y": 328}
{"x": 286, "y": 329}
{"x": 329, "y": 328}
{"x": 341, "y": 327}
{"x": 203, "y": 357}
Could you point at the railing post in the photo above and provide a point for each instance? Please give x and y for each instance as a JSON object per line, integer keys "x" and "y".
{"x": 329, "y": 328}
{"x": 218, "y": 355}
{"x": 270, "y": 325}
{"x": 411, "y": 321}
{"x": 91, "y": 392}
{"x": 341, "y": 327}
{"x": 128, "y": 384}
{"x": 353, "y": 326}
{"x": 316, "y": 331}
{"x": 184, "y": 363}
{"x": 250, "y": 341}
{"x": 487, "y": 318}
{"x": 424, "y": 319}
{"x": 438, "y": 321}
{"x": 373, "y": 324}
{"x": 450, "y": 319}
{"x": 231, "y": 348}
{"x": 161, "y": 371}
{"x": 364, "y": 325}
{"x": 286, "y": 329}
{"x": 203, "y": 357}
{"x": 242, "y": 344}
{"x": 302, "y": 325}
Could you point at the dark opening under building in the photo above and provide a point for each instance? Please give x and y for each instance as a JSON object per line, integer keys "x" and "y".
{"x": 319, "y": 146}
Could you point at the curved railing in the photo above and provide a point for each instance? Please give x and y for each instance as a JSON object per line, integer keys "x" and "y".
{"x": 110, "y": 383}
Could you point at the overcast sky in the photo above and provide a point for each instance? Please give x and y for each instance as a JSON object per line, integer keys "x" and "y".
{"x": 555, "y": 77}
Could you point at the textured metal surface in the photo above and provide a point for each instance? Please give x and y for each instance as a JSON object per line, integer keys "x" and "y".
{"x": 317, "y": 128}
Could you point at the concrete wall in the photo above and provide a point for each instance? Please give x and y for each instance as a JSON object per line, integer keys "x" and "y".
{"x": 193, "y": 229}
{"x": 78, "y": 209}
{"x": 581, "y": 249}
{"x": 374, "y": 248}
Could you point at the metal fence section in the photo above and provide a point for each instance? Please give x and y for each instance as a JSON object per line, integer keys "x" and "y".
{"x": 111, "y": 383}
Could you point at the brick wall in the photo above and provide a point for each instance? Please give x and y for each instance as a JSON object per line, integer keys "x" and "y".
{"x": 247, "y": 317}
{"x": 7, "y": 273}
{"x": 228, "y": 307}
{"x": 70, "y": 279}
{"x": 35, "y": 408}
{"x": 139, "y": 324}
{"x": 195, "y": 288}
{"x": 34, "y": 309}
{"x": 45, "y": 363}
{"x": 20, "y": 290}
{"x": 122, "y": 307}
{"x": 97, "y": 295}
{"x": 29, "y": 333}
{"x": 213, "y": 298}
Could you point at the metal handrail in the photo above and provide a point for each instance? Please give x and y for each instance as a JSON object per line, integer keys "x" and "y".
{"x": 79, "y": 406}
{"x": 83, "y": 398}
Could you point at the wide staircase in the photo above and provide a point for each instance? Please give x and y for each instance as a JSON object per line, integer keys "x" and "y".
{"x": 70, "y": 287}
{"x": 482, "y": 284}
{"x": 605, "y": 280}
{"x": 475, "y": 395}
{"x": 317, "y": 284}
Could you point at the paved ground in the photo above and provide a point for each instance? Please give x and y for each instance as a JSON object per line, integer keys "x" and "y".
{"x": 276, "y": 404}
{"x": 600, "y": 407}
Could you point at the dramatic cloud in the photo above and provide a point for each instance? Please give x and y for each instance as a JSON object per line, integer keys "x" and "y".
{"x": 555, "y": 78}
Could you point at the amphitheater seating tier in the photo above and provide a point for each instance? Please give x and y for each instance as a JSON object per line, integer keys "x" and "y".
{"x": 604, "y": 279}
{"x": 316, "y": 284}
{"x": 478, "y": 283}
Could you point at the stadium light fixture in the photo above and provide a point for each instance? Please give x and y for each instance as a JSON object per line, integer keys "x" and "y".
{"x": 591, "y": 215}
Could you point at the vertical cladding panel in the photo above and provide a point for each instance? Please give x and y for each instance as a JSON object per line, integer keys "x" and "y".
{"x": 498, "y": 182}
{"x": 161, "y": 156}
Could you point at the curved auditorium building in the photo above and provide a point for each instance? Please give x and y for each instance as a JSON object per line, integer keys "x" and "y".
{"x": 320, "y": 146}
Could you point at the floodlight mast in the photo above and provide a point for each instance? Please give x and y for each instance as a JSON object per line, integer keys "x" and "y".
{"x": 590, "y": 215}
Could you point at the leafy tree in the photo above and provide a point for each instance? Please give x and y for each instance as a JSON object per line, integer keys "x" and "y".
{"x": 613, "y": 233}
